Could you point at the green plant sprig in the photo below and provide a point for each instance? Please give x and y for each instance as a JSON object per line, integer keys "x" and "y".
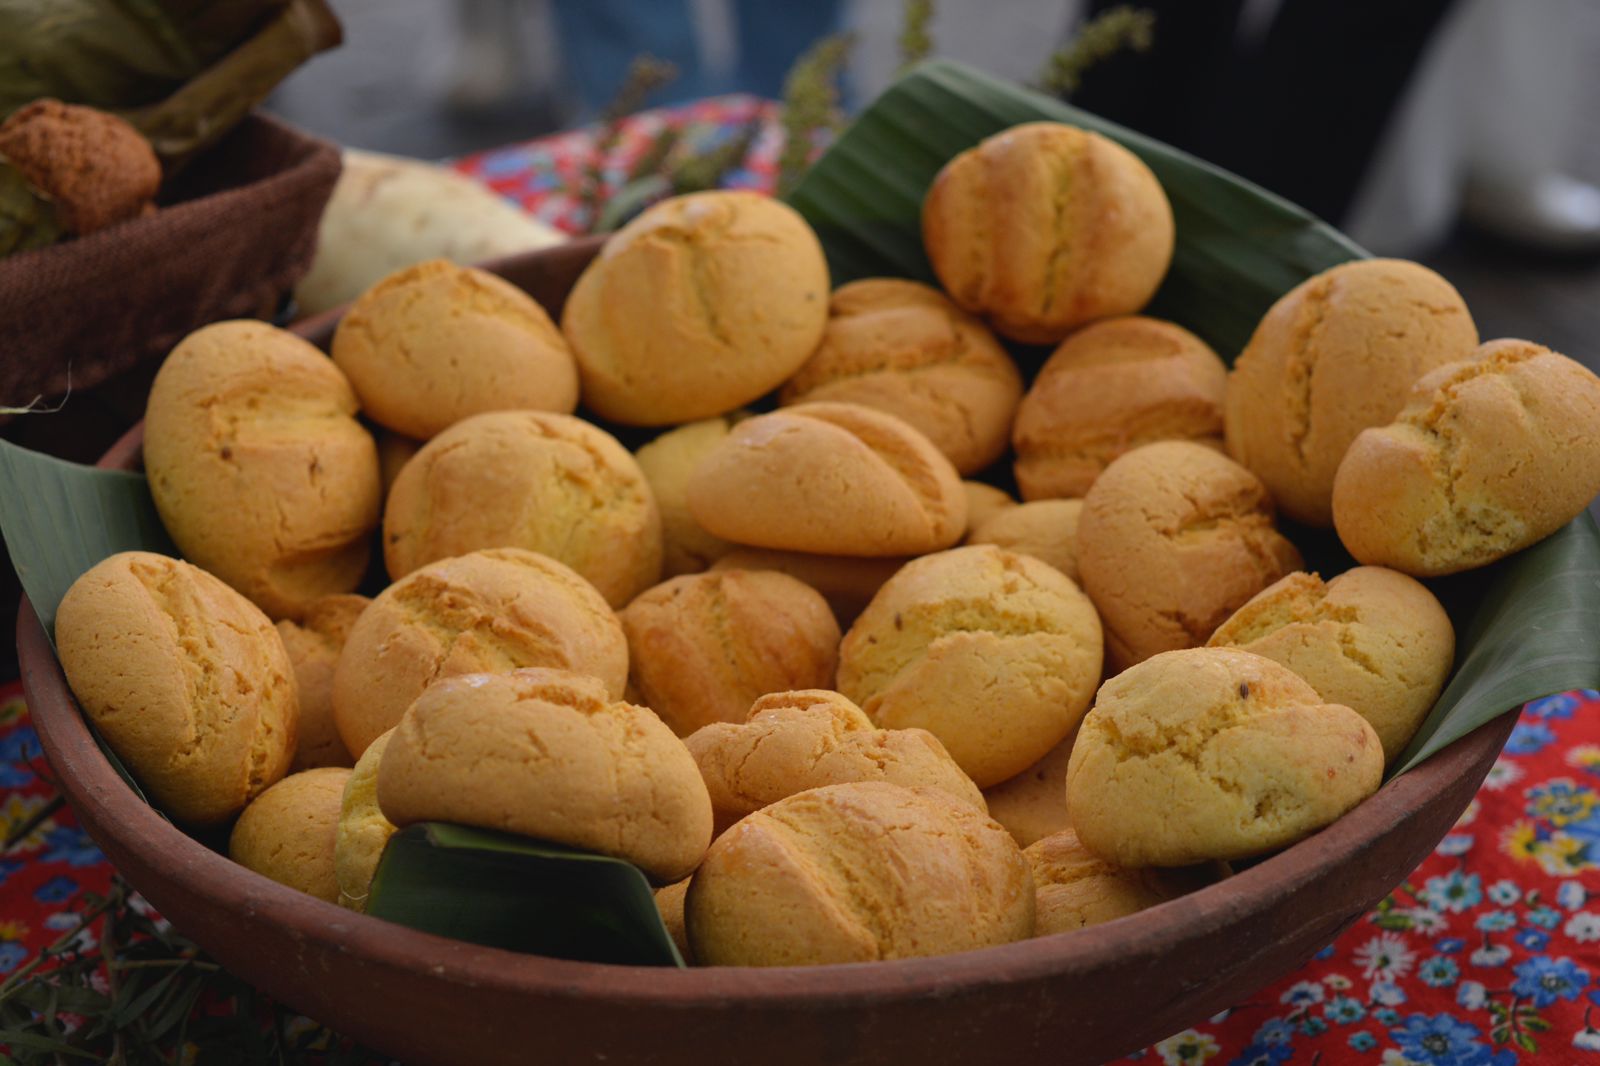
{"x": 1123, "y": 27}
{"x": 916, "y": 42}
{"x": 810, "y": 105}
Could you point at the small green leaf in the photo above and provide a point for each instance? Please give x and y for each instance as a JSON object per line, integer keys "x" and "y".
{"x": 519, "y": 894}
{"x": 33, "y": 1041}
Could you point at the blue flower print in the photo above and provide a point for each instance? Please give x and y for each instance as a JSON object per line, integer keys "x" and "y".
{"x": 1529, "y": 738}
{"x": 1490, "y": 956}
{"x": 71, "y": 845}
{"x": 1275, "y": 1031}
{"x": 1454, "y": 892}
{"x": 1544, "y": 917}
{"x": 1562, "y": 802}
{"x": 1386, "y": 1015}
{"x": 1504, "y": 892}
{"x": 1441, "y": 1040}
{"x": 1472, "y": 995}
{"x": 12, "y": 955}
{"x": 1551, "y": 707}
{"x": 1455, "y": 844}
{"x": 1344, "y": 1010}
{"x": 1532, "y": 939}
{"x": 1313, "y": 1026}
{"x": 1263, "y": 1055}
{"x": 1387, "y": 993}
{"x": 17, "y": 748}
{"x": 56, "y": 890}
{"x": 1439, "y": 972}
{"x": 7, "y": 868}
{"x": 1572, "y": 895}
{"x": 1495, "y": 921}
{"x": 1450, "y": 945}
{"x": 1363, "y": 1041}
{"x": 1302, "y": 994}
{"x": 1543, "y": 980}
{"x": 1325, "y": 953}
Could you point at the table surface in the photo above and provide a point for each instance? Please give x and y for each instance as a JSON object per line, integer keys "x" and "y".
{"x": 1488, "y": 955}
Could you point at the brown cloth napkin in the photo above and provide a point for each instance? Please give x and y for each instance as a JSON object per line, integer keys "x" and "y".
{"x": 235, "y": 230}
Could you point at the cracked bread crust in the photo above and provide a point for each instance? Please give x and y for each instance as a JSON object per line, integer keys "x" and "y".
{"x": 186, "y": 679}
{"x": 549, "y": 754}
{"x": 702, "y": 303}
{"x": 793, "y": 741}
{"x": 487, "y": 611}
{"x": 858, "y": 872}
{"x": 1174, "y": 538}
{"x": 667, "y": 462}
{"x": 1213, "y": 753}
{"x": 1333, "y": 356}
{"x": 1076, "y": 888}
{"x": 994, "y": 653}
{"x": 904, "y": 348}
{"x": 363, "y": 830}
{"x": 1044, "y": 226}
{"x": 313, "y": 645}
{"x": 1044, "y": 529}
{"x": 702, "y": 647}
{"x": 258, "y": 466}
{"x": 435, "y": 343}
{"x": 549, "y": 483}
{"x": 829, "y": 478}
{"x": 1488, "y": 456}
{"x": 1109, "y": 388}
{"x": 287, "y": 833}
{"x": 1371, "y": 639}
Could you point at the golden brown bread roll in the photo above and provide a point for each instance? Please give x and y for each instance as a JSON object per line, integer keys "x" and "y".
{"x": 854, "y": 873}
{"x": 1043, "y": 227}
{"x": 702, "y": 303}
{"x": 186, "y": 679}
{"x": 1371, "y": 639}
{"x": 260, "y": 471}
{"x": 313, "y": 645}
{"x": 548, "y": 754}
{"x": 1486, "y": 458}
{"x": 435, "y": 343}
{"x": 487, "y": 611}
{"x": 994, "y": 653}
{"x": 792, "y": 741}
{"x": 667, "y": 462}
{"x": 546, "y": 482}
{"x": 1174, "y": 538}
{"x": 1033, "y": 804}
{"x": 1044, "y": 529}
{"x": 287, "y": 833}
{"x": 702, "y": 647}
{"x": 1109, "y": 388}
{"x": 903, "y": 347}
{"x": 983, "y": 501}
{"x": 848, "y": 583}
{"x": 1213, "y": 753}
{"x": 832, "y": 479}
{"x": 363, "y": 830}
{"x": 1335, "y": 355}
{"x": 1076, "y": 888}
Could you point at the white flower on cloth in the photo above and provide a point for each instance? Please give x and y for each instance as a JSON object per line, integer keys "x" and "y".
{"x": 1302, "y": 993}
{"x": 1384, "y": 957}
{"x": 1186, "y": 1048}
{"x": 1424, "y": 920}
{"x": 1572, "y": 895}
{"x": 1502, "y": 775}
{"x": 1505, "y": 892}
{"x": 1393, "y": 1057}
{"x": 1490, "y": 955}
{"x": 1584, "y": 927}
{"x": 1471, "y": 995}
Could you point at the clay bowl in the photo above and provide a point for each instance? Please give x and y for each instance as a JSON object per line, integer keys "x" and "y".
{"x": 1081, "y": 997}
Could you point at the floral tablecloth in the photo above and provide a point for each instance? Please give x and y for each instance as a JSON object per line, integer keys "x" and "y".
{"x": 1488, "y": 955}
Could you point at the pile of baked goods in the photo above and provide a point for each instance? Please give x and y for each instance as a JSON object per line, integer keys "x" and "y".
{"x": 839, "y": 703}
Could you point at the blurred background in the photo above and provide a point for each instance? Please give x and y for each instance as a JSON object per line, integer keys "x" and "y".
{"x": 1464, "y": 133}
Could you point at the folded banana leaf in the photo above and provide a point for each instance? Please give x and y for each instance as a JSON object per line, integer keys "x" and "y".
{"x": 184, "y": 72}
{"x": 1526, "y": 627}
{"x": 511, "y": 892}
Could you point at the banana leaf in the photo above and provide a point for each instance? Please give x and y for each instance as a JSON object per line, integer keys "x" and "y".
{"x": 1526, "y": 627}
{"x": 184, "y": 72}
{"x": 519, "y": 894}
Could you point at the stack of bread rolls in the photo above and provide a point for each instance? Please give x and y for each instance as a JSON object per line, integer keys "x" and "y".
{"x": 839, "y": 703}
